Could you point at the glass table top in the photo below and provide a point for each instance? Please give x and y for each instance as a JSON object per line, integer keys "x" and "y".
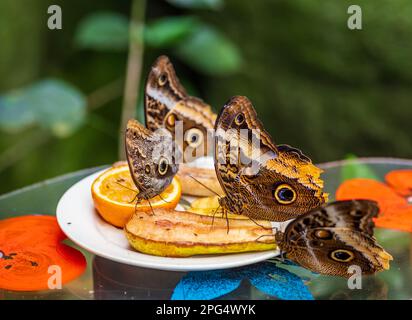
{"x": 105, "y": 279}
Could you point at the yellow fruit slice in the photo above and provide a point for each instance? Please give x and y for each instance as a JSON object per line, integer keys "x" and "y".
{"x": 174, "y": 233}
{"x": 114, "y": 193}
{"x": 209, "y": 206}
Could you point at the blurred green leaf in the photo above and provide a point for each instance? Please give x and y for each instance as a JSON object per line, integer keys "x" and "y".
{"x": 103, "y": 31}
{"x": 58, "y": 106}
{"x": 210, "y": 52}
{"x": 168, "y": 31}
{"x": 197, "y": 4}
{"x": 354, "y": 169}
{"x": 52, "y": 104}
{"x": 15, "y": 114}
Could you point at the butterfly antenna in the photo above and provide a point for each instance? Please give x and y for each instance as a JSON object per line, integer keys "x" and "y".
{"x": 262, "y": 226}
{"x": 160, "y": 196}
{"x": 122, "y": 185}
{"x": 264, "y": 235}
{"x": 130, "y": 189}
{"x": 205, "y": 186}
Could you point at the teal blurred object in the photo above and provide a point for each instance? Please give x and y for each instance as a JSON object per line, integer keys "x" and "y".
{"x": 265, "y": 277}
{"x": 51, "y": 104}
{"x": 106, "y": 279}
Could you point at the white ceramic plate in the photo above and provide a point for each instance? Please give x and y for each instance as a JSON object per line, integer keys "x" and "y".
{"x": 82, "y": 224}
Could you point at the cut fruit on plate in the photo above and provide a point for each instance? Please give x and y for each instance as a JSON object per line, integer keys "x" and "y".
{"x": 200, "y": 182}
{"x": 209, "y": 206}
{"x": 79, "y": 220}
{"x": 172, "y": 233}
{"x": 114, "y": 196}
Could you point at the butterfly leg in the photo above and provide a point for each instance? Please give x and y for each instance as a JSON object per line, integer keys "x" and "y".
{"x": 160, "y": 196}
{"x": 135, "y": 197}
{"x": 213, "y": 216}
{"x": 151, "y": 208}
{"x": 135, "y": 206}
{"x": 227, "y": 220}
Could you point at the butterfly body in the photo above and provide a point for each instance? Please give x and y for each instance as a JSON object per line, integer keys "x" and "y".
{"x": 261, "y": 180}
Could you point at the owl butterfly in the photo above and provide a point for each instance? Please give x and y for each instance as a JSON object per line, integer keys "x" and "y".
{"x": 333, "y": 237}
{"x": 167, "y": 105}
{"x": 151, "y": 158}
{"x": 261, "y": 180}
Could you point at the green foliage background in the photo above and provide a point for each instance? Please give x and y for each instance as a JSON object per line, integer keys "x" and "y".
{"x": 316, "y": 84}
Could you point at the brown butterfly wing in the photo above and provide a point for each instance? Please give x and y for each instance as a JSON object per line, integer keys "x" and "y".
{"x": 191, "y": 122}
{"x": 167, "y": 105}
{"x": 261, "y": 203}
{"x": 163, "y": 90}
{"x": 334, "y": 237}
{"x": 251, "y": 172}
{"x": 151, "y": 158}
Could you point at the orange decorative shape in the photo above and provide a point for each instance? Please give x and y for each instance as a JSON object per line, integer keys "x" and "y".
{"x": 29, "y": 245}
{"x": 396, "y": 219}
{"x": 395, "y": 211}
{"x": 400, "y": 181}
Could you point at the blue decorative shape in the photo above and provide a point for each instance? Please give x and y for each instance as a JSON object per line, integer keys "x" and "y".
{"x": 266, "y": 277}
{"x": 206, "y": 285}
{"x": 278, "y": 282}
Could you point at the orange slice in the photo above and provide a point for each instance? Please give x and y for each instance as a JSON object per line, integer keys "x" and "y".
{"x": 114, "y": 195}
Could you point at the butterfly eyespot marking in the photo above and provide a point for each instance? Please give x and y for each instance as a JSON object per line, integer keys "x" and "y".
{"x": 171, "y": 120}
{"x": 240, "y": 118}
{"x": 194, "y": 137}
{"x": 342, "y": 255}
{"x": 162, "y": 79}
{"x": 356, "y": 213}
{"x": 147, "y": 169}
{"x": 323, "y": 234}
{"x": 284, "y": 194}
{"x": 163, "y": 166}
